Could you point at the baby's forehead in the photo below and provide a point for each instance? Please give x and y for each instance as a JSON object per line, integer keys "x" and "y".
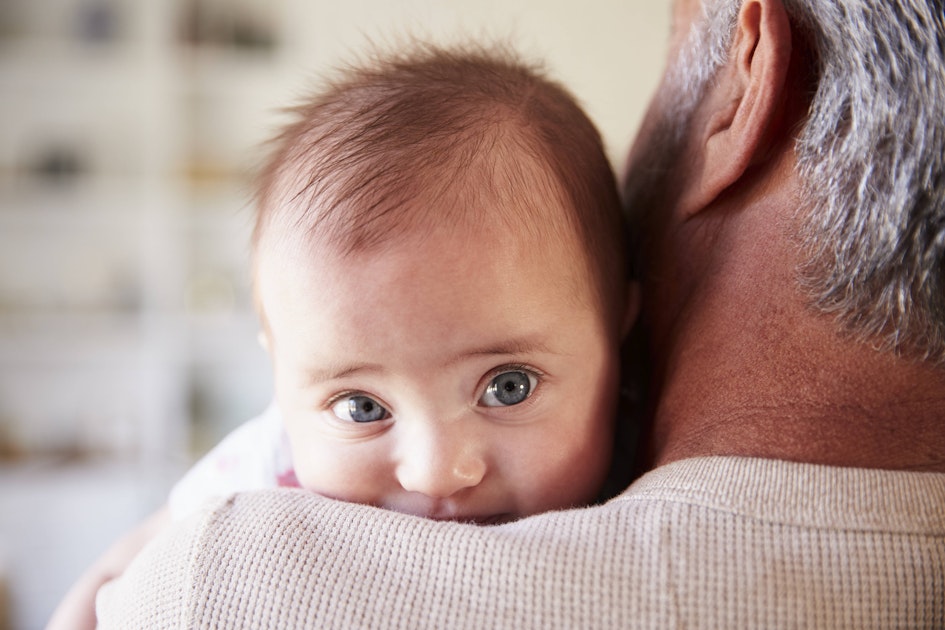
{"x": 469, "y": 264}
{"x": 528, "y": 226}
{"x": 509, "y": 188}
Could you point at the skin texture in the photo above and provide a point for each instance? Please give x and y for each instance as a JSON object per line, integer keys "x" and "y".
{"x": 423, "y": 327}
{"x": 742, "y": 364}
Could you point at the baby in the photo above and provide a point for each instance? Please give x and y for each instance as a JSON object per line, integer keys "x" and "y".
{"x": 440, "y": 272}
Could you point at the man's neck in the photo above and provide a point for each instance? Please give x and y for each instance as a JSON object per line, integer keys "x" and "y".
{"x": 886, "y": 413}
{"x": 758, "y": 373}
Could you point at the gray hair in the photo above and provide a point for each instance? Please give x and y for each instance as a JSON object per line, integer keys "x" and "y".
{"x": 870, "y": 159}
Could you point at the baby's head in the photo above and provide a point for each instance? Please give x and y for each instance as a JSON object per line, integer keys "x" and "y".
{"x": 440, "y": 271}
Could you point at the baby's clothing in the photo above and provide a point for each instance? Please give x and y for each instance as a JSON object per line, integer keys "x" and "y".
{"x": 254, "y": 456}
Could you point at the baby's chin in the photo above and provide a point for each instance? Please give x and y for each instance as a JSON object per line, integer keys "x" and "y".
{"x": 496, "y": 519}
{"x": 433, "y": 510}
{"x": 447, "y": 510}
{"x": 454, "y": 514}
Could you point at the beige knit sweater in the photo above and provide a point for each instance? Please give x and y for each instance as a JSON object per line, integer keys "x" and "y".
{"x": 702, "y": 543}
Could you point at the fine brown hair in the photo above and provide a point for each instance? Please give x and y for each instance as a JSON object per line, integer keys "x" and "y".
{"x": 438, "y": 123}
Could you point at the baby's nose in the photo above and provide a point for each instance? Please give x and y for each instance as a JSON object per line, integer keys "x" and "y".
{"x": 439, "y": 461}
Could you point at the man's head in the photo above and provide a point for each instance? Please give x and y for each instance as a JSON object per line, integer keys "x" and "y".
{"x": 868, "y": 152}
{"x": 439, "y": 268}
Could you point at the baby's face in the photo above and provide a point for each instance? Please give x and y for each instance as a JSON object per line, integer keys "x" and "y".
{"x": 469, "y": 375}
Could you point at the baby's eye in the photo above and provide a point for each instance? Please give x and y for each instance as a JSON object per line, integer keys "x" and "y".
{"x": 359, "y": 408}
{"x": 508, "y": 388}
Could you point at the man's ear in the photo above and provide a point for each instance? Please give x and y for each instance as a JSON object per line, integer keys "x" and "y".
{"x": 741, "y": 105}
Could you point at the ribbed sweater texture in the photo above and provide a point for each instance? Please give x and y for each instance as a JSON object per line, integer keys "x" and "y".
{"x": 718, "y": 542}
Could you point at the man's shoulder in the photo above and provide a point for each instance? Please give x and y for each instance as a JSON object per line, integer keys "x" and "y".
{"x": 710, "y": 542}
{"x": 799, "y": 494}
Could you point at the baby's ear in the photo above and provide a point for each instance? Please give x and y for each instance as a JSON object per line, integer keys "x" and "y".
{"x": 631, "y": 308}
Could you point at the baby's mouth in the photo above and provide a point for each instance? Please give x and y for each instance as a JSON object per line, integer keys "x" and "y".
{"x": 446, "y": 510}
{"x": 493, "y": 519}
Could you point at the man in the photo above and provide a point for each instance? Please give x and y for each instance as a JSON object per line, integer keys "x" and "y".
{"x": 789, "y": 180}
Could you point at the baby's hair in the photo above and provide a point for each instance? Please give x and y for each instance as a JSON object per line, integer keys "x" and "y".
{"x": 422, "y": 138}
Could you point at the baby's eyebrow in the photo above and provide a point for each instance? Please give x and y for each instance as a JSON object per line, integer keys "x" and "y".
{"x": 509, "y": 347}
{"x": 334, "y": 372}
{"x": 524, "y": 345}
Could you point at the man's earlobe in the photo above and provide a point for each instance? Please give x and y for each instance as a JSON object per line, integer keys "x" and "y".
{"x": 743, "y": 102}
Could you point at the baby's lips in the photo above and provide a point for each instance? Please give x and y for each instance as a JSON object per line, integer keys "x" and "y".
{"x": 491, "y": 519}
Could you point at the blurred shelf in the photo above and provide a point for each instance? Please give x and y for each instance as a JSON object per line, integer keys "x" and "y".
{"x": 127, "y": 132}
{"x": 58, "y": 514}
{"x": 29, "y": 63}
{"x": 72, "y": 202}
{"x": 68, "y": 339}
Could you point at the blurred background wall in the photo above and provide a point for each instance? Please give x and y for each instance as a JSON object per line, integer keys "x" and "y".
{"x": 128, "y": 132}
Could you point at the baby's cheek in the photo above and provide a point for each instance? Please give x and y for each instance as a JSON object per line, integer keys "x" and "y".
{"x": 343, "y": 472}
{"x": 571, "y": 466}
